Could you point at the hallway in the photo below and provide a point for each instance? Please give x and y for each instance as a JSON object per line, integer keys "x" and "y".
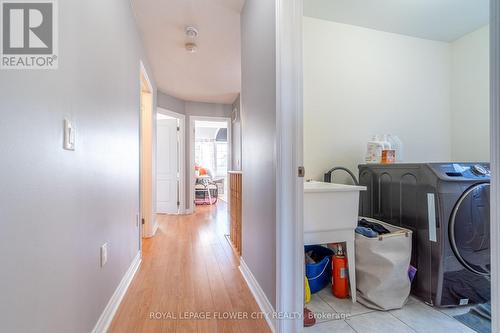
{"x": 188, "y": 269}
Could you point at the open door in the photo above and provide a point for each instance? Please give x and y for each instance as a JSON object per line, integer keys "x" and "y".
{"x": 167, "y": 166}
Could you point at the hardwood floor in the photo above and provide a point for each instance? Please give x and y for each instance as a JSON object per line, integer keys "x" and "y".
{"x": 189, "y": 269}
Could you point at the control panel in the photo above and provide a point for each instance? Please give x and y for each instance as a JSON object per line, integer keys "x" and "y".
{"x": 464, "y": 170}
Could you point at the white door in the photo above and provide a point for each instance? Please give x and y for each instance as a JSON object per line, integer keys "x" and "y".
{"x": 167, "y": 166}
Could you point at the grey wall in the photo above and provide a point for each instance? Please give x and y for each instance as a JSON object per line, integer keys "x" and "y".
{"x": 58, "y": 207}
{"x": 171, "y": 103}
{"x": 258, "y": 97}
{"x": 190, "y": 109}
{"x": 208, "y": 109}
{"x": 236, "y": 128}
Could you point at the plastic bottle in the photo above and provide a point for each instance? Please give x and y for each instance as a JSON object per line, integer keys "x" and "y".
{"x": 374, "y": 151}
{"x": 385, "y": 141}
{"x": 397, "y": 145}
{"x": 375, "y": 147}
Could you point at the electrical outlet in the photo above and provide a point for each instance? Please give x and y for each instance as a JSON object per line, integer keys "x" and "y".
{"x": 104, "y": 254}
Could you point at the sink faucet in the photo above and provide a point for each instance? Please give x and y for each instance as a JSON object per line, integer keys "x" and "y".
{"x": 328, "y": 177}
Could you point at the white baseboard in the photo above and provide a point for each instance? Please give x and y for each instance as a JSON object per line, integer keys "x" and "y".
{"x": 259, "y": 295}
{"x": 115, "y": 300}
{"x": 155, "y": 227}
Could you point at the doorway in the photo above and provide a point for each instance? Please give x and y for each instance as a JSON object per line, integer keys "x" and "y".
{"x": 210, "y": 159}
{"x": 290, "y": 66}
{"x": 147, "y": 217}
{"x": 170, "y": 162}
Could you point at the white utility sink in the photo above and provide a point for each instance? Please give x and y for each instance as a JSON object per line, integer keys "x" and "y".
{"x": 328, "y": 208}
{"x": 330, "y": 216}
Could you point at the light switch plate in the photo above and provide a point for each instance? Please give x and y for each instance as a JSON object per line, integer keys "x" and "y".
{"x": 69, "y": 135}
{"x": 104, "y": 254}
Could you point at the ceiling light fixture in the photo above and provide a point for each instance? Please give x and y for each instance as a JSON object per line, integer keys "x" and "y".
{"x": 191, "y": 32}
{"x": 191, "y": 47}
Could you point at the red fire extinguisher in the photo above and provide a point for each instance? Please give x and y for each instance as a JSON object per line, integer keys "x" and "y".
{"x": 340, "y": 282}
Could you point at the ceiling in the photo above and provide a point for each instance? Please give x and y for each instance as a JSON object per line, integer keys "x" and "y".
{"x": 441, "y": 20}
{"x": 213, "y": 73}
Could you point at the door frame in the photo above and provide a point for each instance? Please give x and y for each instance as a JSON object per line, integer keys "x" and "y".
{"x": 192, "y": 120}
{"x": 289, "y": 142}
{"x": 495, "y": 161}
{"x": 182, "y": 155}
{"x": 146, "y": 230}
{"x": 289, "y": 156}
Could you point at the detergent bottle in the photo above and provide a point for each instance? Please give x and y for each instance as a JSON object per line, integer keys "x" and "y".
{"x": 385, "y": 141}
{"x": 375, "y": 148}
{"x": 373, "y": 152}
{"x": 397, "y": 145}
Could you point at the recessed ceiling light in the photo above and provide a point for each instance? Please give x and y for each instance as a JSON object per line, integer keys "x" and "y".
{"x": 191, "y": 47}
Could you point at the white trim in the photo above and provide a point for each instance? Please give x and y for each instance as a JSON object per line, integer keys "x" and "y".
{"x": 155, "y": 226}
{"x": 170, "y": 113}
{"x": 192, "y": 120}
{"x": 259, "y": 295}
{"x": 182, "y": 155}
{"x": 289, "y": 187}
{"x": 495, "y": 161}
{"x": 146, "y": 230}
{"x": 146, "y": 76}
{"x": 109, "y": 312}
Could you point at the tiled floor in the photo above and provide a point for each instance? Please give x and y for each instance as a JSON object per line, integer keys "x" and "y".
{"x": 342, "y": 316}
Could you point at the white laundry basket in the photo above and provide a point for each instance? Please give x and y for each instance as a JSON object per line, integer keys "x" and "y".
{"x": 382, "y": 268}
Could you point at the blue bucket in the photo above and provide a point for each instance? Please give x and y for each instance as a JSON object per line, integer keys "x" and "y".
{"x": 319, "y": 274}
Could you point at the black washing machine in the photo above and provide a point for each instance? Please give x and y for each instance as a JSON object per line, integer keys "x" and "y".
{"x": 447, "y": 205}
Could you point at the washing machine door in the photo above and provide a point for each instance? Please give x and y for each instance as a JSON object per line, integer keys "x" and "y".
{"x": 469, "y": 229}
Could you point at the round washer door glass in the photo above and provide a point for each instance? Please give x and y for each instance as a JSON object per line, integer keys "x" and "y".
{"x": 470, "y": 229}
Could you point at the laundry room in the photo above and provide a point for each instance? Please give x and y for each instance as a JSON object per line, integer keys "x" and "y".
{"x": 397, "y": 137}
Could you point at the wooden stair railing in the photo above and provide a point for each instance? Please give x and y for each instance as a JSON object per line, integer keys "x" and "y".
{"x": 235, "y": 207}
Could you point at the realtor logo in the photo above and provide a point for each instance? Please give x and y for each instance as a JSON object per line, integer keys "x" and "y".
{"x": 29, "y": 34}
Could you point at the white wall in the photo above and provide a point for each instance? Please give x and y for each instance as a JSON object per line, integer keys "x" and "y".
{"x": 258, "y": 102}
{"x": 471, "y": 97}
{"x": 359, "y": 82}
{"x": 58, "y": 207}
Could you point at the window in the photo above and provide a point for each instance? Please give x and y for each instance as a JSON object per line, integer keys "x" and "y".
{"x": 211, "y": 150}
